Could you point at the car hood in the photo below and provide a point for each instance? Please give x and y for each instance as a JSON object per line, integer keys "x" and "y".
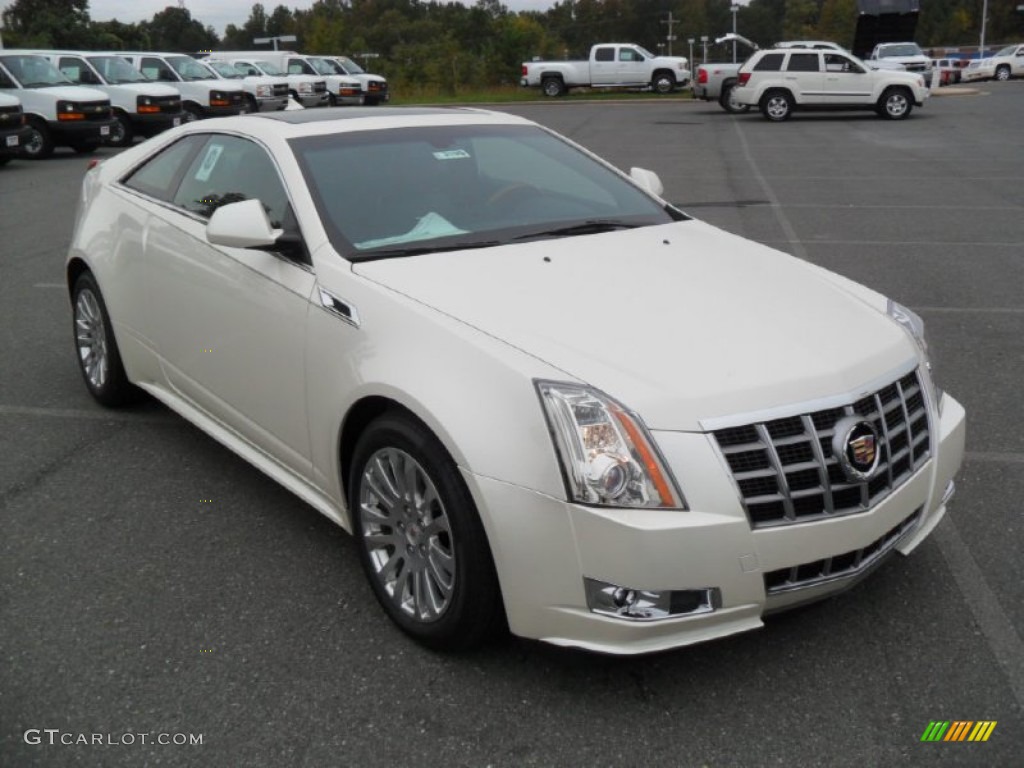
{"x": 680, "y": 322}
{"x": 149, "y": 89}
{"x": 73, "y": 93}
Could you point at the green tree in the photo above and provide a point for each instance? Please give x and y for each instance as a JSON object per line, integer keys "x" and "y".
{"x": 47, "y": 24}
{"x": 174, "y": 29}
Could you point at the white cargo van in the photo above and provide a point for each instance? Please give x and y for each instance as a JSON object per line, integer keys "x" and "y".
{"x": 13, "y": 130}
{"x": 375, "y": 87}
{"x": 307, "y": 90}
{"x": 264, "y": 94}
{"x": 57, "y": 111}
{"x": 202, "y": 95}
{"x": 341, "y": 89}
{"x": 140, "y": 107}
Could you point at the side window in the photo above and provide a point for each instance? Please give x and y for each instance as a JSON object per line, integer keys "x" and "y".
{"x": 771, "y": 62}
{"x": 159, "y": 176}
{"x": 228, "y": 170}
{"x": 247, "y": 69}
{"x": 627, "y": 54}
{"x": 155, "y": 69}
{"x": 604, "y": 54}
{"x": 803, "y": 62}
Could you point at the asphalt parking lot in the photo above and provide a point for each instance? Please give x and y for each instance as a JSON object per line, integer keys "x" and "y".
{"x": 153, "y": 583}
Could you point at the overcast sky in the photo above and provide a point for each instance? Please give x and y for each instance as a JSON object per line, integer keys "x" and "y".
{"x": 220, "y": 13}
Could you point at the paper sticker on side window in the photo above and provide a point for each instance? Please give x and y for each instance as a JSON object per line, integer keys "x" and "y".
{"x": 209, "y": 161}
{"x": 452, "y": 154}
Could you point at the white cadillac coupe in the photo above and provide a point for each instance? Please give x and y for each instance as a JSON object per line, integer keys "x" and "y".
{"x": 535, "y": 392}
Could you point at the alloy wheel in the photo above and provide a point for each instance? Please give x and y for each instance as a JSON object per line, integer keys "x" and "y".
{"x": 91, "y": 339}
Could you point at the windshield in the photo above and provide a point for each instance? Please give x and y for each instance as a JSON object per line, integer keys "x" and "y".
{"x": 407, "y": 191}
{"x": 350, "y": 67}
{"x": 34, "y": 71}
{"x": 224, "y": 69}
{"x": 268, "y": 68}
{"x": 907, "y": 49}
{"x": 1007, "y": 51}
{"x": 325, "y": 67}
{"x": 189, "y": 69}
{"x": 644, "y": 51}
{"x": 116, "y": 70}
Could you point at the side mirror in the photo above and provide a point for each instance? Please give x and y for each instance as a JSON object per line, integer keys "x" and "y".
{"x": 241, "y": 225}
{"x": 648, "y": 180}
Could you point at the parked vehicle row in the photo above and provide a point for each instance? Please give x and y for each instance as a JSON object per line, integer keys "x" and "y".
{"x": 85, "y": 99}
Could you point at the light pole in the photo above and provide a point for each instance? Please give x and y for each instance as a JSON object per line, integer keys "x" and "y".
{"x": 735, "y": 8}
{"x": 984, "y": 18}
{"x": 691, "y": 41}
{"x": 704, "y": 42}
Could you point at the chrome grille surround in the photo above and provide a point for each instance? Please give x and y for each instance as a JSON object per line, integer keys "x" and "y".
{"x": 785, "y": 470}
{"x": 847, "y": 565}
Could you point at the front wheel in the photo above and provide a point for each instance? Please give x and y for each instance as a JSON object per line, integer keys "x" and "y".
{"x": 1003, "y": 73}
{"x": 98, "y": 356}
{"x": 39, "y": 144}
{"x": 121, "y": 132}
{"x": 895, "y": 104}
{"x": 777, "y": 106}
{"x": 663, "y": 82}
{"x": 727, "y": 100}
{"x": 420, "y": 539}
{"x": 192, "y": 113}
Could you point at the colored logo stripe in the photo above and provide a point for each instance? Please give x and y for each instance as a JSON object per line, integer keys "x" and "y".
{"x": 958, "y": 730}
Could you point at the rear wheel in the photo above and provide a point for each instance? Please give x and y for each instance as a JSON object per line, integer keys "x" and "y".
{"x": 895, "y": 104}
{"x": 420, "y": 539}
{"x": 553, "y": 87}
{"x": 39, "y": 144}
{"x": 727, "y": 100}
{"x": 1003, "y": 73}
{"x": 777, "y": 106}
{"x": 98, "y": 356}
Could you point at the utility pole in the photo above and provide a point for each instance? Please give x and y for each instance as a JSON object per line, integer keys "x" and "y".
{"x": 670, "y": 37}
{"x": 984, "y": 19}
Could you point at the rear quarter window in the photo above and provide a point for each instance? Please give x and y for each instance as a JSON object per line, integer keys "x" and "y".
{"x": 770, "y": 62}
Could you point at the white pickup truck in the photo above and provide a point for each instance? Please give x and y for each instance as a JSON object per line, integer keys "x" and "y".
{"x": 611, "y": 65}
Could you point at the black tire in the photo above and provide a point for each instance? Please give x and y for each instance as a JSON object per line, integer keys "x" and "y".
{"x": 777, "y": 106}
{"x": 553, "y": 87}
{"x": 122, "y": 134}
{"x": 663, "y": 82}
{"x": 438, "y": 544}
{"x": 39, "y": 143}
{"x": 191, "y": 113}
{"x": 1002, "y": 73}
{"x": 251, "y": 104}
{"x": 727, "y": 103}
{"x": 895, "y": 104}
{"x": 94, "y": 339}
{"x": 332, "y": 100}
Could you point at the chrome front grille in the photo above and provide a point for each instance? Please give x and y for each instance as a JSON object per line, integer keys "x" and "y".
{"x": 843, "y": 566}
{"x": 320, "y": 87}
{"x": 281, "y": 90}
{"x": 786, "y": 471}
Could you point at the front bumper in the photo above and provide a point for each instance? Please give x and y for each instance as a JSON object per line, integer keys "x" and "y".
{"x": 272, "y": 103}
{"x": 235, "y": 108}
{"x": 157, "y": 122}
{"x": 11, "y": 141}
{"x": 544, "y": 548}
{"x": 313, "y": 99}
{"x": 85, "y": 133}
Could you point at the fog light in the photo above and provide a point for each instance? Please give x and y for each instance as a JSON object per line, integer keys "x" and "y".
{"x": 648, "y": 605}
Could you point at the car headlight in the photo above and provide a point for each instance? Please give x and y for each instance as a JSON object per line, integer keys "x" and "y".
{"x": 264, "y": 91}
{"x": 305, "y": 87}
{"x": 607, "y": 456}
{"x": 914, "y": 325}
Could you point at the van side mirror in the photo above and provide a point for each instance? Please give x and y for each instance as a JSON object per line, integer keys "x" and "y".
{"x": 241, "y": 225}
{"x": 648, "y": 180}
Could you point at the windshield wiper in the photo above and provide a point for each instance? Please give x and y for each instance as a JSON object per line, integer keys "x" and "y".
{"x": 419, "y": 250}
{"x": 591, "y": 227}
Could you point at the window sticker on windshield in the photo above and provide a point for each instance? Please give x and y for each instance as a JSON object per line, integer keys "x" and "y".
{"x": 452, "y": 154}
{"x": 209, "y": 161}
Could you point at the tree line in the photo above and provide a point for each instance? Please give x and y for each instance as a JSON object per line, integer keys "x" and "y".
{"x": 447, "y": 47}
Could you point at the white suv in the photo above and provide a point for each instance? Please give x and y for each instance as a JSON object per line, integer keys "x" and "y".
{"x": 781, "y": 81}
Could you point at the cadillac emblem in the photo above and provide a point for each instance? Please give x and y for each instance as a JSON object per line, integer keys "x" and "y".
{"x": 855, "y": 445}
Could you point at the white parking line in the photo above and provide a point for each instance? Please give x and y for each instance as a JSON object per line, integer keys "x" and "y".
{"x": 49, "y": 285}
{"x": 997, "y": 457}
{"x": 974, "y": 245}
{"x": 970, "y": 310}
{"x": 1002, "y": 637}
